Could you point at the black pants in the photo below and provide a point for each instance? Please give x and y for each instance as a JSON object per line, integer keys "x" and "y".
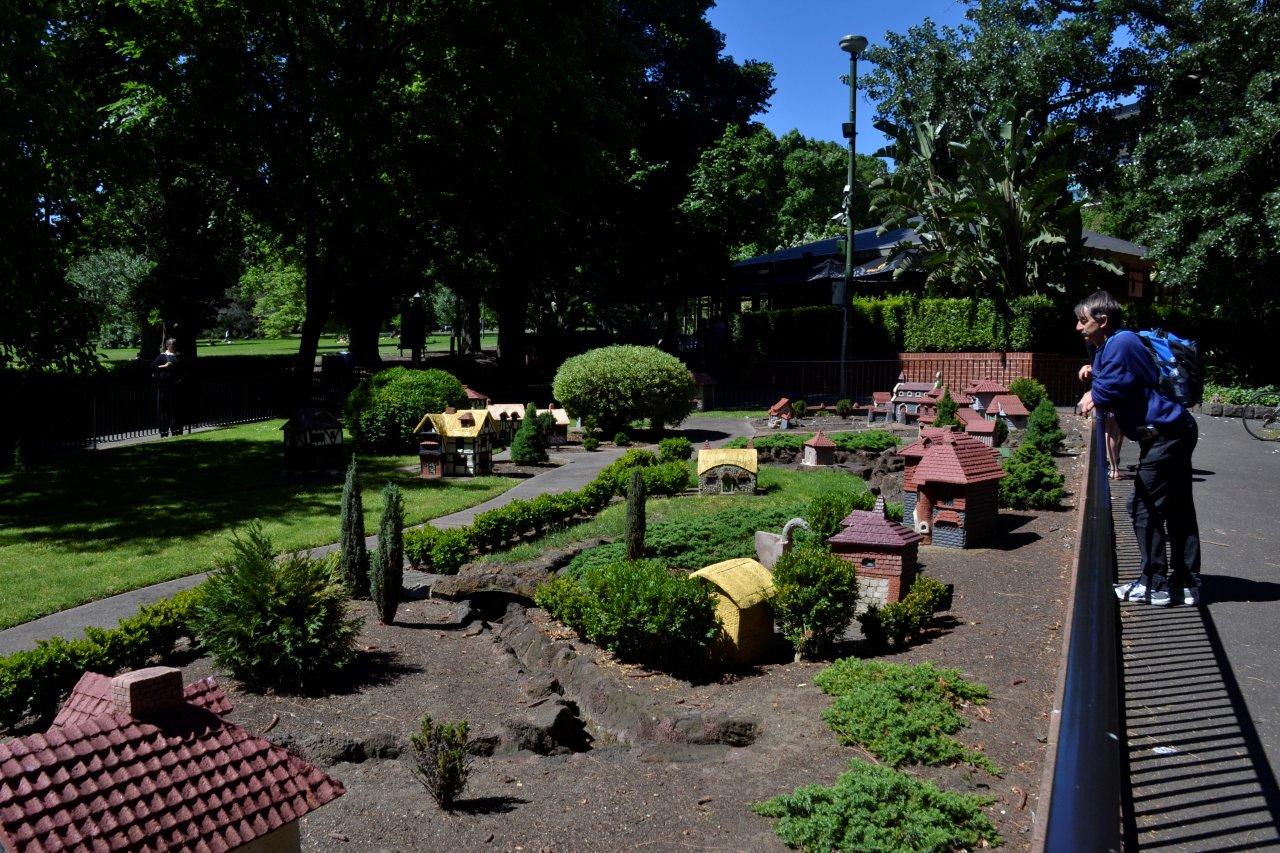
{"x": 167, "y": 409}
{"x": 1163, "y": 511}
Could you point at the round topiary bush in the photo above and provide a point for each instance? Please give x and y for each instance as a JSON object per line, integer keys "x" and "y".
{"x": 815, "y": 596}
{"x": 383, "y": 410}
{"x": 619, "y": 384}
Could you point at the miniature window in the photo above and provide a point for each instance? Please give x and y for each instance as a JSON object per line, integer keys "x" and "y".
{"x": 868, "y": 562}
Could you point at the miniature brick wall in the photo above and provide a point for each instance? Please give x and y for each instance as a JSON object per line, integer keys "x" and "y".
{"x": 981, "y": 514}
{"x": 894, "y": 573}
{"x": 1056, "y": 372}
{"x": 147, "y": 691}
{"x": 947, "y": 536}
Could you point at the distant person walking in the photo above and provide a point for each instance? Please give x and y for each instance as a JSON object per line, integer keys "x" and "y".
{"x": 1126, "y": 385}
{"x": 165, "y": 370}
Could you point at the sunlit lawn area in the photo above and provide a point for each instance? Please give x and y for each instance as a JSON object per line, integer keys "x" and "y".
{"x": 95, "y": 524}
{"x": 289, "y": 346}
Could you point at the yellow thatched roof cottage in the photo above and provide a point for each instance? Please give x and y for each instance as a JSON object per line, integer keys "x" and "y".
{"x": 466, "y": 440}
{"x": 723, "y": 470}
{"x": 743, "y": 588}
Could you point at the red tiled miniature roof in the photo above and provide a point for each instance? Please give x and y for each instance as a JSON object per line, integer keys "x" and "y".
{"x": 986, "y": 386}
{"x": 980, "y": 426}
{"x": 935, "y": 396}
{"x": 1011, "y": 404}
{"x": 917, "y": 447}
{"x": 956, "y": 457}
{"x": 872, "y": 529}
{"x": 184, "y": 780}
{"x": 819, "y": 440}
{"x": 91, "y": 697}
{"x": 966, "y": 415}
{"x": 914, "y": 386}
{"x": 779, "y": 406}
{"x": 881, "y": 396}
{"x": 472, "y": 394}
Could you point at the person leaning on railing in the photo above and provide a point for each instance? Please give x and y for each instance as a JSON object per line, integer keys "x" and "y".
{"x": 1126, "y": 385}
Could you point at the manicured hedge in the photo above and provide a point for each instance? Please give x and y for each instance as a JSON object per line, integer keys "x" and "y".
{"x": 875, "y": 441}
{"x": 382, "y": 411}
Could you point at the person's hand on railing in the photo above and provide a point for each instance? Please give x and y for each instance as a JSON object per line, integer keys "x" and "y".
{"x": 1085, "y": 406}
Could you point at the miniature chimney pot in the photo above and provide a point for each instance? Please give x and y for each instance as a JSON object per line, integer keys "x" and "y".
{"x": 142, "y": 692}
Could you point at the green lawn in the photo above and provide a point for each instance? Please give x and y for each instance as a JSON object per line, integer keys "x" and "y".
{"x": 779, "y": 486}
{"x": 289, "y": 346}
{"x": 101, "y": 523}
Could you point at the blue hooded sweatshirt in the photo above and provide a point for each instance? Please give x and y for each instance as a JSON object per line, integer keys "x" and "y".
{"x": 1126, "y": 383}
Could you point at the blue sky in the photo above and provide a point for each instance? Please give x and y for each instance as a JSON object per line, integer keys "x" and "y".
{"x": 801, "y": 38}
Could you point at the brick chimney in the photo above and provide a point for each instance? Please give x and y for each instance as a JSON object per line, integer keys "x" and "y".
{"x": 142, "y": 692}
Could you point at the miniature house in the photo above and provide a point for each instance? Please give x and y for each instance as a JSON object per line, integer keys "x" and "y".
{"x": 313, "y": 441}
{"x": 466, "y": 441}
{"x": 977, "y": 426}
{"x": 430, "y": 454}
{"x": 983, "y": 392}
{"x": 704, "y": 395}
{"x": 723, "y": 470}
{"x": 136, "y": 762}
{"x": 506, "y": 419}
{"x": 781, "y": 414}
{"x": 1009, "y": 408}
{"x": 906, "y": 400}
{"x": 881, "y": 410}
{"x": 476, "y": 400}
{"x": 950, "y": 487}
{"x": 883, "y": 552}
{"x": 743, "y": 588}
{"x": 559, "y": 423}
{"x": 819, "y": 450}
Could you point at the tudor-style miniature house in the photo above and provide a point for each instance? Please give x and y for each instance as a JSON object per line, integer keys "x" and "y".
{"x": 313, "y": 441}
{"x": 950, "y": 487}
{"x": 506, "y": 419}
{"x": 475, "y": 399}
{"x": 819, "y": 450}
{"x": 137, "y": 762}
{"x": 723, "y": 470}
{"x": 928, "y": 412}
{"x": 559, "y": 423}
{"x": 742, "y": 589}
{"x": 466, "y": 441}
{"x": 430, "y": 453}
{"x": 883, "y": 552}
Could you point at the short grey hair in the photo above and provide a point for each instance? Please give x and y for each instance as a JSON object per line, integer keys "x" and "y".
{"x": 1101, "y": 304}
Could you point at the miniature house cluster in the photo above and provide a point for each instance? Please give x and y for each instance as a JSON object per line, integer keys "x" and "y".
{"x": 461, "y": 444}
{"x": 137, "y": 762}
{"x": 979, "y": 405}
{"x": 950, "y": 489}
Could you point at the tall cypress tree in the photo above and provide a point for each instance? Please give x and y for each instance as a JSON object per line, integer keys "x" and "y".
{"x": 635, "y": 515}
{"x": 388, "y": 569}
{"x": 353, "y": 561}
{"x": 529, "y": 446}
{"x": 946, "y": 410}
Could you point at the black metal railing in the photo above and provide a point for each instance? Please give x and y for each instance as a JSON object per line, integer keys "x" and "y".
{"x": 1083, "y": 790}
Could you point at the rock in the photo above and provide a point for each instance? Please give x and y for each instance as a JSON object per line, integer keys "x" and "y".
{"x": 516, "y": 579}
{"x": 484, "y": 746}
{"x": 475, "y": 629}
{"x": 552, "y": 728}
{"x": 858, "y": 468}
{"x": 416, "y": 585}
{"x": 465, "y": 612}
{"x": 383, "y": 745}
{"x": 1215, "y": 409}
{"x": 327, "y": 750}
{"x": 1231, "y": 411}
{"x": 540, "y": 687}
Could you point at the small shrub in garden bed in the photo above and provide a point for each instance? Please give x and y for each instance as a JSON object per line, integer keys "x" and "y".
{"x": 901, "y": 621}
{"x": 1238, "y": 395}
{"x": 590, "y": 443}
{"x": 275, "y": 623}
{"x": 1032, "y": 480}
{"x": 621, "y": 439}
{"x": 873, "y": 440}
{"x": 1029, "y": 391}
{"x": 1043, "y": 432}
{"x": 387, "y": 576}
{"x": 675, "y": 449}
{"x": 353, "y": 554}
{"x": 440, "y": 759}
{"x": 902, "y": 714}
{"x": 844, "y": 408}
{"x": 815, "y": 596}
{"x": 800, "y": 407}
{"x": 619, "y": 384}
{"x": 382, "y": 411}
{"x": 874, "y": 808}
{"x": 529, "y": 445}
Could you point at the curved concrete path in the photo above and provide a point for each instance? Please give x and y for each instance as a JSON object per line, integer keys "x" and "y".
{"x": 578, "y": 470}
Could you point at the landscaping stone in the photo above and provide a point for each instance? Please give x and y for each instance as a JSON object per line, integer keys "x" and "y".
{"x": 549, "y": 728}
{"x": 516, "y": 579}
{"x": 465, "y": 613}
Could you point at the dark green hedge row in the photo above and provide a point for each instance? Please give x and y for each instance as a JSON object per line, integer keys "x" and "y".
{"x": 884, "y": 327}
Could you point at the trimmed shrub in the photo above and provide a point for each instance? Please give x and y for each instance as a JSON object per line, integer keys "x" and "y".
{"x": 441, "y": 760}
{"x": 590, "y": 443}
{"x": 529, "y": 446}
{"x": 353, "y": 554}
{"x": 675, "y": 449}
{"x": 417, "y": 545}
{"x": 669, "y": 478}
{"x": 828, "y": 509}
{"x": 900, "y": 622}
{"x": 800, "y": 407}
{"x": 1032, "y": 480}
{"x": 388, "y": 574}
{"x": 815, "y": 596}
{"x": 1029, "y": 391}
{"x": 880, "y": 810}
{"x": 844, "y": 408}
{"x": 1043, "y": 432}
{"x": 450, "y": 549}
{"x": 280, "y": 624}
{"x": 621, "y": 439}
{"x": 383, "y": 410}
{"x": 999, "y": 433}
{"x": 618, "y": 472}
{"x": 872, "y": 441}
{"x": 619, "y": 384}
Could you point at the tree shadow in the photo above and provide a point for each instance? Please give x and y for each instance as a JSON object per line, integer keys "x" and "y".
{"x": 1008, "y": 535}
{"x": 487, "y": 805}
{"x": 697, "y": 435}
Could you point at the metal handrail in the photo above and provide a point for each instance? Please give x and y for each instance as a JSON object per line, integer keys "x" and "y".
{"x": 1083, "y": 775}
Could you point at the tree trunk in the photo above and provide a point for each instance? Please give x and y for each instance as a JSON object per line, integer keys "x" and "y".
{"x": 317, "y": 309}
{"x": 470, "y": 322}
{"x": 513, "y": 313}
{"x": 366, "y": 322}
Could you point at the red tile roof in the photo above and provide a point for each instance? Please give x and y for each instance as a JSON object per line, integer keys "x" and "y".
{"x": 473, "y": 394}
{"x": 819, "y": 440}
{"x": 183, "y": 780}
{"x": 955, "y": 457}
{"x": 779, "y": 406}
{"x": 966, "y": 415}
{"x": 91, "y": 697}
{"x": 1011, "y": 404}
{"x": 986, "y": 386}
{"x": 881, "y": 396}
{"x": 871, "y": 528}
{"x": 917, "y": 447}
{"x": 960, "y": 399}
{"x": 980, "y": 426}
{"x": 913, "y": 386}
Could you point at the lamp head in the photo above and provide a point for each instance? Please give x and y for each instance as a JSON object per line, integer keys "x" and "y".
{"x": 853, "y": 45}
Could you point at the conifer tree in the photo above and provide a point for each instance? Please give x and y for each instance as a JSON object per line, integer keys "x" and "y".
{"x": 946, "y": 410}
{"x": 635, "y": 515}
{"x": 529, "y": 447}
{"x": 353, "y": 559}
{"x": 388, "y": 568}
{"x": 1042, "y": 429}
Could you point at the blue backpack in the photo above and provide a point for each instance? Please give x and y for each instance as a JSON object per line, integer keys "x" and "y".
{"x": 1178, "y": 360}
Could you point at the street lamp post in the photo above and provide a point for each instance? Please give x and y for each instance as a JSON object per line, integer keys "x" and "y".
{"x": 853, "y": 45}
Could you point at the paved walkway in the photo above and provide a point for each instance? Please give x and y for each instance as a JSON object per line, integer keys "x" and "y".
{"x": 578, "y": 470}
{"x": 1202, "y": 685}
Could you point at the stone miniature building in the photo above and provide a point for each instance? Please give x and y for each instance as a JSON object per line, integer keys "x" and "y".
{"x": 883, "y": 552}
{"x": 723, "y": 470}
{"x": 506, "y": 418}
{"x": 906, "y": 399}
{"x": 881, "y": 410}
{"x": 742, "y": 589}
{"x": 819, "y": 450}
{"x": 136, "y": 762}
{"x": 466, "y": 441}
{"x": 950, "y": 487}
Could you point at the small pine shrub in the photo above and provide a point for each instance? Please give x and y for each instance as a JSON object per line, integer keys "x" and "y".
{"x": 529, "y": 446}
{"x": 946, "y": 410}
{"x": 800, "y": 408}
{"x": 828, "y": 509}
{"x": 590, "y": 443}
{"x": 900, "y": 622}
{"x": 388, "y": 573}
{"x": 1032, "y": 480}
{"x": 621, "y": 439}
{"x": 441, "y": 760}
{"x": 815, "y": 596}
{"x": 1043, "y": 432}
{"x": 902, "y": 714}
{"x": 880, "y": 810}
{"x": 382, "y": 410}
{"x": 1000, "y": 433}
{"x": 1029, "y": 391}
{"x": 353, "y": 559}
{"x": 844, "y": 408}
{"x": 675, "y": 449}
{"x": 280, "y": 624}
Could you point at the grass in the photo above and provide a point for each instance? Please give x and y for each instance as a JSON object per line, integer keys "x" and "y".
{"x": 747, "y": 412}
{"x": 96, "y": 524}
{"x": 289, "y": 346}
{"x": 780, "y": 485}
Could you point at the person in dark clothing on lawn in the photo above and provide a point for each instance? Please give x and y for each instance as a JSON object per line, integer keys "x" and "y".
{"x": 165, "y": 370}
{"x": 1126, "y": 384}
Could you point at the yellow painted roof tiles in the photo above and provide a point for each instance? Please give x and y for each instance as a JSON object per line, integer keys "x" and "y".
{"x": 449, "y": 424}
{"x": 710, "y": 457}
{"x": 745, "y": 581}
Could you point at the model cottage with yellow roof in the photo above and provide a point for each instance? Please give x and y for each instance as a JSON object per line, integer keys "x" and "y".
{"x": 743, "y": 588}
{"x": 723, "y": 470}
{"x": 466, "y": 440}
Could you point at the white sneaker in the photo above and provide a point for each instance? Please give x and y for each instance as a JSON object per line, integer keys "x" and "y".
{"x": 1191, "y": 594}
{"x": 1132, "y": 591}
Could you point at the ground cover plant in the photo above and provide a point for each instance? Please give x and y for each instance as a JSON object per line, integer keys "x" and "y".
{"x": 381, "y": 412}
{"x": 874, "y": 808}
{"x": 101, "y": 523}
{"x": 902, "y": 714}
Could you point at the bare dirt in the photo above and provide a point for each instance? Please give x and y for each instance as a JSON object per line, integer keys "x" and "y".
{"x": 1004, "y": 630}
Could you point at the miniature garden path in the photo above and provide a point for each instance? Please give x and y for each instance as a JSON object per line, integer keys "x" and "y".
{"x": 578, "y": 470}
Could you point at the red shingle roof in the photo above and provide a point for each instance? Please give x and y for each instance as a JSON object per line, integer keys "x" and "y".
{"x": 819, "y": 440}
{"x": 780, "y": 406}
{"x": 881, "y": 396}
{"x": 871, "y": 528}
{"x": 980, "y": 426}
{"x": 1011, "y": 404}
{"x": 986, "y": 386}
{"x": 917, "y": 447}
{"x": 914, "y": 386}
{"x": 960, "y": 399}
{"x": 955, "y": 457}
{"x": 966, "y": 415}
{"x": 183, "y": 780}
{"x": 473, "y": 394}
{"x": 91, "y": 697}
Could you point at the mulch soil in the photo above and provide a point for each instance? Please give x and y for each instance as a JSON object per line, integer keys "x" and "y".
{"x": 1004, "y": 630}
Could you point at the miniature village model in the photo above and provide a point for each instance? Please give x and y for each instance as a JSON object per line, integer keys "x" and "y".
{"x": 883, "y": 552}
{"x": 742, "y": 588}
{"x": 950, "y": 489}
{"x": 819, "y": 451}
{"x": 465, "y": 440}
{"x": 723, "y": 471}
